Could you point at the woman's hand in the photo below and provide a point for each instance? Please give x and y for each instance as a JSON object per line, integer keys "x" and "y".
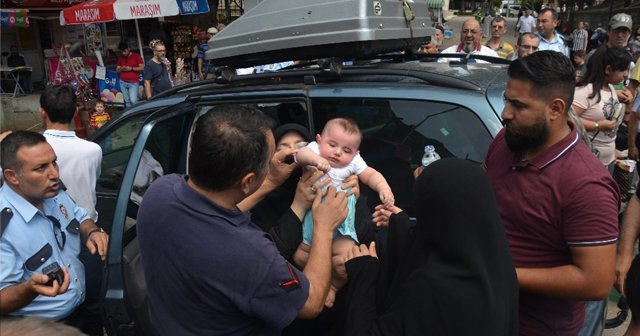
{"x": 352, "y": 182}
{"x": 361, "y": 251}
{"x": 306, "y": 191}
{"x": 382, "y": 213}
{"x": 606, "y": 125}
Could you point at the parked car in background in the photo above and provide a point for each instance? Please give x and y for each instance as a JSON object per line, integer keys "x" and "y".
{"x": 400, "y": 103}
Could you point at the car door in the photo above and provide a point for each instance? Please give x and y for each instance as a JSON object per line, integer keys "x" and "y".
{"x": 158, "y": 148}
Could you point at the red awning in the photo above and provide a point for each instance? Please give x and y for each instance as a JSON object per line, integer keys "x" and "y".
{"x": 93, "y": 11}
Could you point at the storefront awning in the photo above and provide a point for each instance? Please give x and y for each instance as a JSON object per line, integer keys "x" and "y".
{"x": 109, "y": 10}
{"x": 14, "y": 18}
{"x": 435, "y": 3}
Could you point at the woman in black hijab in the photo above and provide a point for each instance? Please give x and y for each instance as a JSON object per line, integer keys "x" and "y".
{"x": 450, "y": 275}
{"x": 280, "y": 214}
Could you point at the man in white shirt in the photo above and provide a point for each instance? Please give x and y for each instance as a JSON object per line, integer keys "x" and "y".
{"x": 526, "y": 23}
{"x": 79, "y": 163}
{"x": 470, "y": 43}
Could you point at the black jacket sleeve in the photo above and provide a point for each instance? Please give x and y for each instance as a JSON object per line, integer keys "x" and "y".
{"x": 361, "y": 296}
{"x": 287, "y": 234}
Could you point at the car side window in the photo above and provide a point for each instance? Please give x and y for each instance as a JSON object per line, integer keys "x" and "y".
{"x": 164, "y": 153}
{"x": 395, "y": 132}
{"x": 116, "y": 150}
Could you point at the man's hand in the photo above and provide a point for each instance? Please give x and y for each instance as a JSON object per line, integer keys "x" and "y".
{"x": 279, "y": 170}
{"x": 362, "y": 250}
{"x": 98, "y": 241}
{"x": 38, "y": 284}
{"x": 623, "y": 263}
{"x": 329, "y": 213}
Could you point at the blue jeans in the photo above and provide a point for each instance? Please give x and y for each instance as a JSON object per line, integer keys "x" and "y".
{"x": 130, "y": 92}
{"x": 594, "y": 315}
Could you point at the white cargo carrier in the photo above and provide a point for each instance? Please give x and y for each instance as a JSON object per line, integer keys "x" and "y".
{"x": 285, "y": 30}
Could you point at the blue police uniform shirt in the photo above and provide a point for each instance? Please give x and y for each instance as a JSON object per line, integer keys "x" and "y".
{"x": 557, "y": 44}
{"x": 209, "y": 270}
{"x": 28, "y": 244}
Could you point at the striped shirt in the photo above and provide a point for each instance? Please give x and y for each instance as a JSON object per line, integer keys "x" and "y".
{"x": 579, "y": 40}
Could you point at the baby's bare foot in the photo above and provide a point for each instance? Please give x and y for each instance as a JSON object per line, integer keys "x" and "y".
{"x": 331, "y": 297}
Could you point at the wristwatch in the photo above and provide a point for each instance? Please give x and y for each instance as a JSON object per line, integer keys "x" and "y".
{"x": 98, "y": 229}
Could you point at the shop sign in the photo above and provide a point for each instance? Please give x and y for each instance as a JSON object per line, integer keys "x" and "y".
{"x": 131, "y": 9}
{"x": 18, "y": 18}
{"x": 193, "y": 6}
{"x": 108, "y": 10}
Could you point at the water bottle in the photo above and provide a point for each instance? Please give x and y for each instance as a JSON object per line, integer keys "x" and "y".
{"x": 430, "y": 155}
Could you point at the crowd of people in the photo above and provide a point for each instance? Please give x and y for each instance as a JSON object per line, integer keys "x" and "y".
{"x": 266, "y": 233}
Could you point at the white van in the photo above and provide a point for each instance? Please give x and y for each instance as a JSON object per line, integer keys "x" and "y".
{"x": 509, "y": 10}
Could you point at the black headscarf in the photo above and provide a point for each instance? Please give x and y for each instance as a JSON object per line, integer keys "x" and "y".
{"x": 266, "y": 213}
{"x": 456, "y": 277}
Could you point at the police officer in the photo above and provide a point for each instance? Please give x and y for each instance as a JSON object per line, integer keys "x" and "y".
{"x": 40, "y": 226}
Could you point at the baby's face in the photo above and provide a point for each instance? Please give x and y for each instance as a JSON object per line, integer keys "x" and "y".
{"x": 99, "y": 108}
{"x": 338, "y": 146}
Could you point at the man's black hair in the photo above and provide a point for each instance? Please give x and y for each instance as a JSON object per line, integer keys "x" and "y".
{"x": 123, "y": 45}
{"x": 59, "y": 101}
{"x": 12, "y": 142}
{"x": 554, "y": 13}
{"x": 550, "y": 73}
{"x": 229, "y": 142}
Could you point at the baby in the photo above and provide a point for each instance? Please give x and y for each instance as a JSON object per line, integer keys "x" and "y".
{"x": 335, "y": 152}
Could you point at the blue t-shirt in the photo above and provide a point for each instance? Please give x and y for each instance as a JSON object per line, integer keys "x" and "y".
{"x": 210, "y": 270}
{"x": 158, "y": 75}
{"x": 207, "y": 67}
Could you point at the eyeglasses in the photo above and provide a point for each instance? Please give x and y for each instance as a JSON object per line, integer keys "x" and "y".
{"x": 57, "y": 232}
{"x": 529, "y": 47}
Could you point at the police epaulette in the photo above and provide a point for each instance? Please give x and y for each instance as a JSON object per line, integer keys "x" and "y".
{"x": 5, "y": 217}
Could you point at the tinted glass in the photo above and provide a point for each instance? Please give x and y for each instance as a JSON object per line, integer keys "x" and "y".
{"x": 396, "y": 131}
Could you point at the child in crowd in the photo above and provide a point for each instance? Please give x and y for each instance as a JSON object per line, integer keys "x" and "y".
{"x": 100, "y": 116}
{"x": 578, "y": 62}
{"x": 335, "y": 152}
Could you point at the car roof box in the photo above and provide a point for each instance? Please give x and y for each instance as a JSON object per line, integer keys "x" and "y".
{"x": 285, "y": 30}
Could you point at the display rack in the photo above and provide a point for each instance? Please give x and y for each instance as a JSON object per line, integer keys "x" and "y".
{"x": 183, "y": 46}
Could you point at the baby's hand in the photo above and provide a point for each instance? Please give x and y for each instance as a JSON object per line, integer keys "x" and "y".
{"x": 323, "y": 165}
{"x": 386, "y": 197}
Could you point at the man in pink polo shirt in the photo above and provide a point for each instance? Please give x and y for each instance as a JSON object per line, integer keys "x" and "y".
{"x": 558, "y": 204}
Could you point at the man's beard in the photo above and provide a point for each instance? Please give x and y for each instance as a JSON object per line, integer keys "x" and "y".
{"x": 521, "y": 139}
